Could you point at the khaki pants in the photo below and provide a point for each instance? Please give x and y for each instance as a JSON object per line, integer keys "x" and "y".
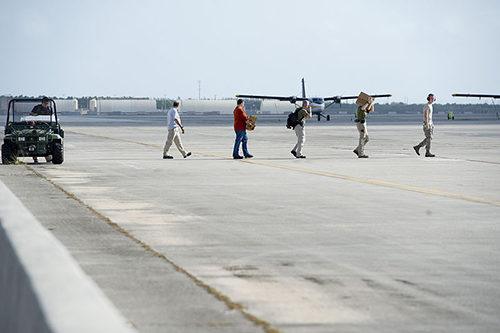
{"x": 427, "y": 141}
{"x": 300, "y": 131}
{"x": 174, "y": 136}
{"x": 363, "y": 138}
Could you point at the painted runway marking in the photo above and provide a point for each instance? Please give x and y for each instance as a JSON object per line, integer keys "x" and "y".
{"x": 467, "y": 160}
{"x": 132, "y": 166}
{"x": 441, "y": 157}
{"x": 326, "y": 174}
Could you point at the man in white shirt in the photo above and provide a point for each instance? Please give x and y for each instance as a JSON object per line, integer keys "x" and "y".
{"x": 428, "y": 128}
{"x": 174, "y": 128}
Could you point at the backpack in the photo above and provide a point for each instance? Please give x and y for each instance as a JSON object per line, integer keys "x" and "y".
{"x": 293, "y": 119}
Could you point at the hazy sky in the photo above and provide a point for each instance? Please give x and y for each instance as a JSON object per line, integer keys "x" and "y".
{"x": 158, "y": 48}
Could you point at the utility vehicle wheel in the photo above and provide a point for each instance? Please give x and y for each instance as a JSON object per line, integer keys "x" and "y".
{"x": 58, "y": 154}
{"x": 8, "y": 156}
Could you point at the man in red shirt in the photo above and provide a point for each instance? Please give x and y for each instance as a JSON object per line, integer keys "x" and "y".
{"x": 240, "y": 122}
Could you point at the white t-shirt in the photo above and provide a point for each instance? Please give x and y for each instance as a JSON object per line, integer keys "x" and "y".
{"x": 171, "y": 116}
{"x": 428, "y": 108}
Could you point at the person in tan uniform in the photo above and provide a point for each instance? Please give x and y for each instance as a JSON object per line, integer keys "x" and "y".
{"x": 428, "y": 128}
{"x": 360, "y": 121}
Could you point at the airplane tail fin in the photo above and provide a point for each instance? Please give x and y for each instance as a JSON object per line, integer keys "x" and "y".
{"x": 303, "y": 88}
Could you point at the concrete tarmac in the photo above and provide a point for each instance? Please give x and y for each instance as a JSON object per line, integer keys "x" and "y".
{"x": 331, "y": 243}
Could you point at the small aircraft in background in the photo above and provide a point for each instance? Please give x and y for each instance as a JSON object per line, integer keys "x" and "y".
{"x": 476, "y": 95}
{"x": 317, "y": 103}
{"x": 480, "y": 96}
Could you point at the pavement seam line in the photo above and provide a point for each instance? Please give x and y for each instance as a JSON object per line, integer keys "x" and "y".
{"x": 330, "y": 174}
{"x": 229, "y": 303}
{"x": 383, "y": 183}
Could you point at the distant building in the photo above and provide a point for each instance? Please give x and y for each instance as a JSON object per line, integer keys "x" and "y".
{"x": 122, "y": 105}
{"x": 4, "y": 103}
{"x": 276, "y": 107}
{"x": 66, "y": 105}
{"x": 192, "y": 106}
{"x": 62, "y": 105}
{"x": 205, "y": 106}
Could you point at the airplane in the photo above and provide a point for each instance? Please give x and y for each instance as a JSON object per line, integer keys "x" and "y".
{"x": 475, "y": 95}
{"x": 317, "y": 103}
{"x": 480, "y": 96}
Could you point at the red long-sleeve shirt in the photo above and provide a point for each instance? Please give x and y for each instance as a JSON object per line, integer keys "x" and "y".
{"x": 240, "y": 119}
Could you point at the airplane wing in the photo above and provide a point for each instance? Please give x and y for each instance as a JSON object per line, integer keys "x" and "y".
{"x": 337, "y": 99}
{"x": 291, "y": 99}
{"x": 475, "y": 95}
{"x": 377, "y": 96}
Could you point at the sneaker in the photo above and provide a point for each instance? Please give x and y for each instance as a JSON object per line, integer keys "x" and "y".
{"x": 355, "y": 152}
{"x": 238, "y": 157}
{"x": 294, "y": 153}
{"x": 167, "y": 157}
{"x": 301, "y": 156}
{"x": 187, "y": 155}
{"x": 248, "y": 156}
{"x": 429, "y": 155}
{"x": 417, "y": 150}
{"x": 363, "y": 156}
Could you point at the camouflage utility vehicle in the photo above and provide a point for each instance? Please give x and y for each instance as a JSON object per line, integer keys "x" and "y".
{"x": 32, "y": 130}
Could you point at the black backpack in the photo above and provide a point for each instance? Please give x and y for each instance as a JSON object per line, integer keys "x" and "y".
{"x": 293, "y": 119}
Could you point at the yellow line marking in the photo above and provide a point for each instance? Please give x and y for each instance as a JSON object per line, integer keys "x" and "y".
{"x": 328, "y": 174}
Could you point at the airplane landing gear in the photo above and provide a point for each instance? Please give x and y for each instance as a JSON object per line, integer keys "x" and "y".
{"x": 322, "y": 115}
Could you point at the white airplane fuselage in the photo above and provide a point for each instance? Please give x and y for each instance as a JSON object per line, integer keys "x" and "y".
{"x": 317, "y": 104}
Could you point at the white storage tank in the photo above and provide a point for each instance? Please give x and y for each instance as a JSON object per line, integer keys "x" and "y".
{"x": 93, "y": 105}
{"x": 66, "y": 105}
